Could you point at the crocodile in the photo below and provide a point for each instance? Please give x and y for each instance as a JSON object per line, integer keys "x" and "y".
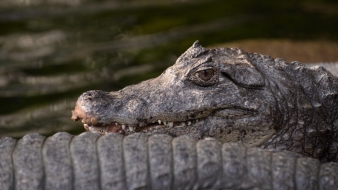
{"x": 228, "y": 94}
{"x": 159, "y": 161}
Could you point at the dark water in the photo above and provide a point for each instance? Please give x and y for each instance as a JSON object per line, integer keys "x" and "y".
{"x": 52, "y": 52}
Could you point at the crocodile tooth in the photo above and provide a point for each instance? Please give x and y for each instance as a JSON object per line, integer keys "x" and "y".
{"x": 181, "y": 125}
{"x": 189, "y": 122}
{"x": 115, "y": 123}
{"x": 131, "y": 128}
{"x": 123, "y": 127}
{"x": 170, "y": 124}
{"x": 159, "y": 121}
{"x": 165, "y": 123}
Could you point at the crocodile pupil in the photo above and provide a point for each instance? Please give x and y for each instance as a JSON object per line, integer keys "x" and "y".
{"x": 206, "y": 74}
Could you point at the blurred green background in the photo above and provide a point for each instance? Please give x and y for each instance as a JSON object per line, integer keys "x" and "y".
{"x": 51, "y": 51}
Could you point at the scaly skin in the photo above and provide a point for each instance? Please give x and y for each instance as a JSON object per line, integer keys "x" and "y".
{"x": 228, "y": 94}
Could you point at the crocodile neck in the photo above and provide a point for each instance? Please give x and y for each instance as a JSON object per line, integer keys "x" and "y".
{"x": 309, "y": 120}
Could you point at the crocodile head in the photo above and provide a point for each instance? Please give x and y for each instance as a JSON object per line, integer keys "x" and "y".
{"x": 207, "y": 92}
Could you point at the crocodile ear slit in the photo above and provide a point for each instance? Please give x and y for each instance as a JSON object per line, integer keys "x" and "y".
{"x": 243, "y": 75}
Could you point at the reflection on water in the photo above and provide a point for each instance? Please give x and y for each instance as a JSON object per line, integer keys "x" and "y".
{"x": 26, "y": 47}
{"x": 52, "y": 51}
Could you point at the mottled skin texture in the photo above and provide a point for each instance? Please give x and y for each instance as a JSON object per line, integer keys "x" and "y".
{"x": 228, "y": 94}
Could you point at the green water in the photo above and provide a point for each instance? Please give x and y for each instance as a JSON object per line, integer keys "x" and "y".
{"x": 50, "y": 54}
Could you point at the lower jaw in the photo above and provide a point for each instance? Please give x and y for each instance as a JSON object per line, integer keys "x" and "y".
{"x": 118, "y": 129}
{"x": 125, "y": 129}
{"x": 104, "y": 130}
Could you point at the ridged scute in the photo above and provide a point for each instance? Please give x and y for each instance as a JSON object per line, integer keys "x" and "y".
{"x": 27, "y": 162}
{"x": 57, "y": 162}
{"x": 7, "y": 146}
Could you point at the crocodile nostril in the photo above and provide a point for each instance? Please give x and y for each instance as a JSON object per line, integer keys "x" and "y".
{"x": 89, "y": 96}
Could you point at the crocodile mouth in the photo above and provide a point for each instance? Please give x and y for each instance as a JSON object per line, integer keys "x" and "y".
{"x": 126, "y": 129}
{"x": 91, "y": 124}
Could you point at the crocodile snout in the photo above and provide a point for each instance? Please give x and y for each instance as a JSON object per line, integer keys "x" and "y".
{"x": 85, "y": 103}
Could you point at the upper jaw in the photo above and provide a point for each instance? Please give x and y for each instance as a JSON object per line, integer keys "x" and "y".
{"x": 89, "y": 111}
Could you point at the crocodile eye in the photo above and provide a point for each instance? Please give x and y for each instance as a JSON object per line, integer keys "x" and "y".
{"x": 206, "y": 74}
